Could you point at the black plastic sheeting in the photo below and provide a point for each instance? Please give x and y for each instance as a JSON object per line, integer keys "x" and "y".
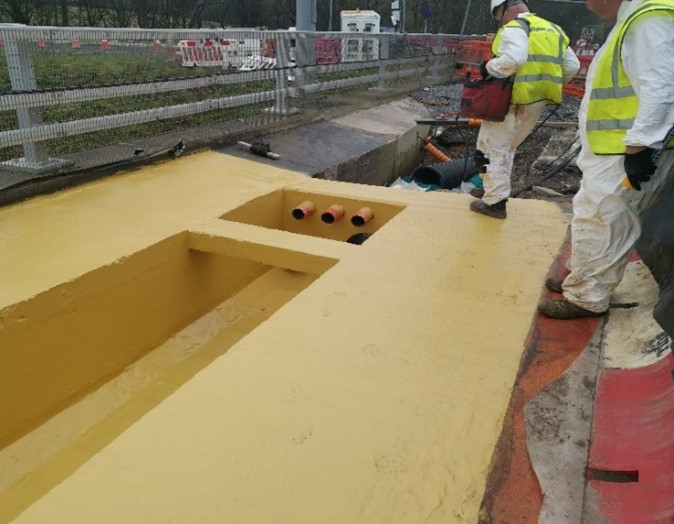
{"x": 656, "y": 249}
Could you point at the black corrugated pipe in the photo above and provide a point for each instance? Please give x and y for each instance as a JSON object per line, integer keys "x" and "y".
{"x": 446, "y": 175}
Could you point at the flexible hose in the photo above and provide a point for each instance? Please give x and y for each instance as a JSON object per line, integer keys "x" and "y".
{"x": 552, "y": 172}
{"x": 434, "y": 151}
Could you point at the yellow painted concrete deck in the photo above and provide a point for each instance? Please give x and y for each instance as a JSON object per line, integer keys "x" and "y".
{"x": 375, "y": 394}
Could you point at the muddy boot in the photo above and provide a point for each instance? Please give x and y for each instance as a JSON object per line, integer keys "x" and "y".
{"x": 477, "y": 192}
{"x": 565, "y": 310}
{"x": 555, "y": 284}
{"x": 497, "y": 210}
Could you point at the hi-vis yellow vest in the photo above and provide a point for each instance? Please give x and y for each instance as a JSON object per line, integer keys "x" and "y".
{"x": 613, "y": 104}
{"x": 540, "y": 77}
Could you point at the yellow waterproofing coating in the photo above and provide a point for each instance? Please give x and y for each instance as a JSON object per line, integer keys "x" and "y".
{"x": 376, "y": 394}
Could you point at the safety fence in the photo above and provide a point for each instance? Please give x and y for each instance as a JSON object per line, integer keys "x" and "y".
{"x": 72, "y": 98}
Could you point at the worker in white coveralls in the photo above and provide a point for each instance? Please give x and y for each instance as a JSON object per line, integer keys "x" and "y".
{"x": 537, "y": 53}
{"x": 626, "y": 117}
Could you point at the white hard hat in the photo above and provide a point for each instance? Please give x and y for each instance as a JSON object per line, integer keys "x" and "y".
{"x": 495, "y": 4}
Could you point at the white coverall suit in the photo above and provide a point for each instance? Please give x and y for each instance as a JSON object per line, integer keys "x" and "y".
{"x": 606, "y": 216}
{"x": 499, "y": 140}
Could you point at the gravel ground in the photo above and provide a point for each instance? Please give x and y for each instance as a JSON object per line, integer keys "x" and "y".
{"x": 443, "y": 101}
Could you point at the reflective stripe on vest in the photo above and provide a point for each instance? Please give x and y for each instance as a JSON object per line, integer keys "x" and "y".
{"x": 613, "y": 103}
{"x": 540, "y": 77}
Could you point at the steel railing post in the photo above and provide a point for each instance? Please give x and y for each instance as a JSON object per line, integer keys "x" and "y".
{"x": 282, "y": 73}
{"x": 22, "y": 78}
{"x": 437, "y": 57}
{"x": 384, "y": 53}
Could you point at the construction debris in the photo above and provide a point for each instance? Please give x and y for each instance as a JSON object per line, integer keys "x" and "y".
{"x": 546, "y": 191}
{"x": 539, "y": 161}
{"x": 260, "y": 147}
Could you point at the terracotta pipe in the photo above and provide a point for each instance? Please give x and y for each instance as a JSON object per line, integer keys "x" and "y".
{"x": 362, "y": 216}
{"x": 332, "y": 214}
{"x": 304, "y": 210}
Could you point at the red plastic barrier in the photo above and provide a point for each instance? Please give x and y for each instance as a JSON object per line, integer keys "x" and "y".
{"x": 577, "y": 86}
{"x": 469, "y": 55}
{"x": 328, "y": 50}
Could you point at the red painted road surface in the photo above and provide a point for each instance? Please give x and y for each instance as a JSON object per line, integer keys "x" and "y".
{"x": 631, "y": 455}
{"x": 634, "y": 434}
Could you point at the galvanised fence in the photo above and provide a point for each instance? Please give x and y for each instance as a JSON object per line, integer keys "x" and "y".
{"x": 71, "y": 98}
{"x": 78, "y": 98}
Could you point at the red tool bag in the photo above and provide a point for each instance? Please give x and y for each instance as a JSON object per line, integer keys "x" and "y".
{"x": 486, "y": 99}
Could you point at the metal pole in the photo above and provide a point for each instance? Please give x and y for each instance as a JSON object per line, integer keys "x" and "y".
{"x": 314, "y": 15}
{"x": 330, "y": 16}
{"x": 22, "y": 77}
{"x": 306, "y": 23}
{"x": 304, "y": 14}
{"x": 465, "y": 18}
{"x": 281, "y": 102}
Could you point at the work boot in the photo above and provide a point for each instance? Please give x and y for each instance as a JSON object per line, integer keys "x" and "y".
{"x": 565, "y": 310}
{"x": 497, "y": 210}
{"x": 477, "y": 192}
{"x": 555, "y": 284}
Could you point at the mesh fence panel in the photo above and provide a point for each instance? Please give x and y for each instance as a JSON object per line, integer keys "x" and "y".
{"x": 80, "y": 98}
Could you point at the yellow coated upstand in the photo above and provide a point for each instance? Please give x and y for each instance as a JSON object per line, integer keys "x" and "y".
{"x": 178, "y": 345}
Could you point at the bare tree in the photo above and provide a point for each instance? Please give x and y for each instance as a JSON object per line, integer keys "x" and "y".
{"x": 280, "y": 14}
{"x": 91, "y": 13}
{"x": 65, "y": 19}
{"x": 122, "y": 14}
{"x": 247, "y": 13}
{"x": 17, "y": 11}
{"x": 219, "y": 12}
{"x": 142, "y": 14}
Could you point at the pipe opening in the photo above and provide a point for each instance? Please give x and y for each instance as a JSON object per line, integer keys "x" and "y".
{"x": 362, "y": 217}
{"x": 358, "y": 238}
{"x": 445, "y": 175}
{"x": 332, "y": 214}
{"x": 304, "y": 210}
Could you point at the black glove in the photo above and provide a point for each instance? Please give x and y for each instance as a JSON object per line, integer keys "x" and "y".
{"x": 639, "y": 167}
{"x": 483, "y": 69}
{"x": 480, "y": 161}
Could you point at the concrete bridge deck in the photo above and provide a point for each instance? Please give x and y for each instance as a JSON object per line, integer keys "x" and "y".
{"x": 175, "y": 347}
